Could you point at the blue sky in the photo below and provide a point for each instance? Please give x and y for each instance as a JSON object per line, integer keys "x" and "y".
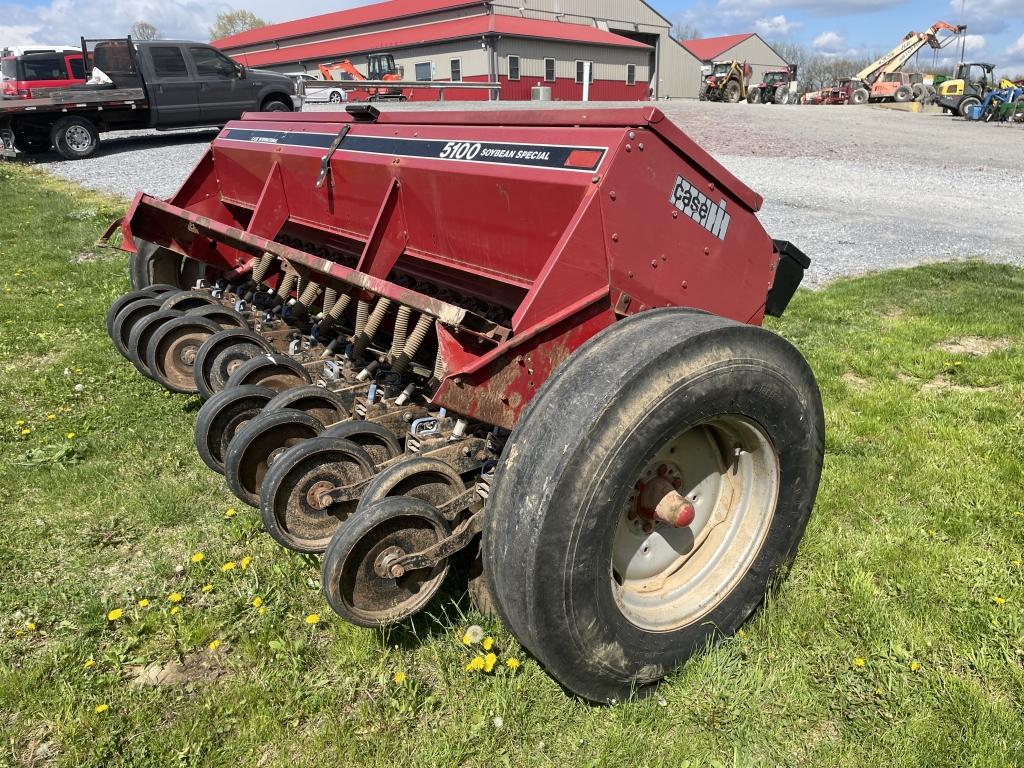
{"x": 834, "y": 27}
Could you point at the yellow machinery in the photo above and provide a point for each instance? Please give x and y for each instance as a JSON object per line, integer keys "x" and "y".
{"x": 968, "y": 87}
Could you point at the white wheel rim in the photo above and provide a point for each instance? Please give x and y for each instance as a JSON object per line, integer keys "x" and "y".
{"x": 664, "y": 577}
{"x": 78, "y": 138}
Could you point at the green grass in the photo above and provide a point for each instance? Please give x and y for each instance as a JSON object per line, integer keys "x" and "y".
{"x": 917, "y": 531}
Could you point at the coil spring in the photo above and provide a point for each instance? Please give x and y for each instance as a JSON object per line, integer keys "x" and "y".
{"x": 362, "y": 340}
{"x": 438, "y": 366}
{"x": 401, "y": 331}
{"x": 309, "y": 294}
{"x": 362, "y": 312}
{"x": 330, "y": 296}
{"x": 414, "y": 342}
{"x": 285, "y": 288}
{"x": 262, "y": 266}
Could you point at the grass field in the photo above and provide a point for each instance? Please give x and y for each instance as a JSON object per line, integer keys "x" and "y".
{"x": 896, "y": 639}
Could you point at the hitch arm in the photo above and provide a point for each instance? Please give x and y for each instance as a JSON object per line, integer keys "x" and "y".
{"x": 325, "y": 162}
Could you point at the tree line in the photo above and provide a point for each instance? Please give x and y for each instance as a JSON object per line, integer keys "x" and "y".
{"x": 229, "y": 23}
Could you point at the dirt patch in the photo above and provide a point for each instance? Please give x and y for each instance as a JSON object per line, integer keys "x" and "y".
{"x": 856, "y": 382}
{"x": 203, "y": 667}
{"x": 944, "y": 384}
{"x": 975, "y": 346}
{"x": 90, "y": 257}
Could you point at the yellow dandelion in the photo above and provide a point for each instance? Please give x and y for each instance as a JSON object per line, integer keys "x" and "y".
{"x": 26, "y": 431}
{"x": 115, "y": 614}
{"x": 89, "y": 664}
{"x": 398, "y": 677}
{"x": 20, "y": 423}
{"x": 998, "y": 600}
{"x": 207, "y": 587}
{"x": 231, "y": 512}
{"x": 858, "y": 662}
{"x": 143, "y": 603}
{"x": 476, "y": 664}
{"x": 229, "y": 566}
{"x": 512, "y": 663}
{"x": 100, "y": 709}
{"x": 174, "y": 597}
{"x": 175, "y": 610}
{"x": 257, "y": 601}
{"x": 474, "y": 634}
{"x": 489, "y": 661}
{"x": 262, "y": 610}
{"x": 914, "y": 666}
{"x": 214, "y": 645}
{"x": 488, "y": 643}
{"x": 245, "y": 562}
{"x": 51, "y": 416}
{"x": 313, "y": 618}
{"x": 1015, "y": 563}
{"x": 60, "y": 305}
{"x": 70, "y": 435}
{"x": 30, "y": 626}
{"x": 197, "y": 557}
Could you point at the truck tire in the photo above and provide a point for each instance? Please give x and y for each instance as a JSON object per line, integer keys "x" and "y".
{"x": 74, "y": 137}
{"x": 903, "y": 94}
{"x": 275, "y": 105}
{"x": 732, "y": 91}
{"x": 570, "y": 570}
{"x": 782, "y": 94}
{"x": 754, "y": 96}
{"x": 859, "y": 96}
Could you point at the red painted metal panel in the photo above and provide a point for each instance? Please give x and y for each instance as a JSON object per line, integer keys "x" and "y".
{"x": 709, "y": 48}
{"x": 567, "y": 89}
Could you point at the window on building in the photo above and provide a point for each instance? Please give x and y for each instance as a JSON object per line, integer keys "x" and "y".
{"x": 513, "y": 67}
{"x": 549, "y": 70}
{"x": 456, "y": 70}
{"x": 168, "y": 61}
{"x": 423, "y": 71}
{"x": 631, "y": 74}
{"x": 579, "y": 71}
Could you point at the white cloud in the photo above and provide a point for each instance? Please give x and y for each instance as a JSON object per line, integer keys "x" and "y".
{"x": 776, "y": 25}
{"x": 750, "y": 9}
{"x": 1017, "y": 49}
{"x": 829, "y": 41}
{"x": 974, "y": 42}
{"x": 985, "y": 15}
{"x": 64, "y": 21}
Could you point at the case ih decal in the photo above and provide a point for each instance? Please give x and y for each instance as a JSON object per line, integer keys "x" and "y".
{"x": 568, "y": 158}
{"x": 698, "y": 206}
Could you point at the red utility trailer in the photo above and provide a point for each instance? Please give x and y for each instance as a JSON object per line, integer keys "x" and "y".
{"x": 528, "y": 334}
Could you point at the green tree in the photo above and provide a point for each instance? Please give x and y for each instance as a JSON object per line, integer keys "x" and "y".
{"x": 143, "y": 30}
{"x": 233, "y": 22}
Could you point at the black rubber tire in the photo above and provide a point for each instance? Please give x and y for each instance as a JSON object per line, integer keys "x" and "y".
{"x": 323, "y": 404}
{"x": 186, "y": 300}
{"x": 254, "y": 448}
{"x": 782, "y": 95}
{"x": 153, "y": 264}
{"x": 222, "y": 416}
{"x": 754, "y": 96}
{"x": 276, "y": 105}
{"x": 732, "y": 92}
{"x": 142, "y": 332}
{"x": 570, "y": 463}
{"x": 126, "y": 298}
{"x": 159, "y": 351}
{"x": 334, "y": 97}
{"x": 965, "y": 104}
{"x": 351, "y": 554}
{"x": 421, "y": 477}
{"x": 378, "y": 441}
{"x": 220, "y": 354}
{"x": 860, "y": 96}
{"x": 272, "y": 370}
{"x": 287, "y": 515}
{"x": 222, "y": 315}
{"x": 903, "y": 94}
{"x": 126, "y": 319}
{"x": 73, "y": 150}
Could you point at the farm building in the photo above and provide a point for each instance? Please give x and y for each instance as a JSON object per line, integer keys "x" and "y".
{"x": 749, "y": 48}
{"x": 520, "y": 45}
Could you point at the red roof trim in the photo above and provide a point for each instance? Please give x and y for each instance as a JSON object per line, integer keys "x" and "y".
{"x": 453, "y": 29}
{"x": 709, "y": 48}
{"x": 351, "y": 17}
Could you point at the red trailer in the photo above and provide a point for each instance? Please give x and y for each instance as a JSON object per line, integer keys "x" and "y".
{"x": 532, "y": 335}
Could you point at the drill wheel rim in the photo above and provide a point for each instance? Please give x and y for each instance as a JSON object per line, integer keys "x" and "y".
{"x": 292, "y": 503}
{"x": 223, "y": 416}
{"x": 221, "y": 355}
{"x": 130, "y": 314}
{"x": 352, "y": 582}
{"x": 141, "y": 334}
{"x": 665, "y": 577}
{"x": 172, "y": 350}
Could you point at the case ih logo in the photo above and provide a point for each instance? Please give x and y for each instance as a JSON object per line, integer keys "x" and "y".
{"x": 698, "y": 206}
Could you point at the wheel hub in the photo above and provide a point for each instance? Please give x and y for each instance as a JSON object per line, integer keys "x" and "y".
{"x": 78, "y": 138}
{"x": 319, "y": 495}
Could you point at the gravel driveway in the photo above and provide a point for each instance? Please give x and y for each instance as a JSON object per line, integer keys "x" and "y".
{"x": 858, "y": 189}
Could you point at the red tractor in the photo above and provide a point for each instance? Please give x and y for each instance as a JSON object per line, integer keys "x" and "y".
{"x": 777, "y": 86}
{"x": 524, "y": 340}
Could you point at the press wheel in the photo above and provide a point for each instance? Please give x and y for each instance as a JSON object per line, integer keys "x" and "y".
{"x": 142, "y": 332}
{"x": 380, "y": 442}
{"x": 272, "y": 370}
{"x": 222, "y": 416}
{"x": 171, "y": 351}
{"x": 127, "y": 317}
{"x": 319, "y": 402}
{"x": 221, "y": 355}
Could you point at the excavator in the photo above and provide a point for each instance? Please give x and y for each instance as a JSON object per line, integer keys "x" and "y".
{"x": 883, "y": 79}
{"x": 380, "y": 66}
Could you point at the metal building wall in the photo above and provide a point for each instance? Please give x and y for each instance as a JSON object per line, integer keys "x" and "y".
{"x": 610, "y": 68}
